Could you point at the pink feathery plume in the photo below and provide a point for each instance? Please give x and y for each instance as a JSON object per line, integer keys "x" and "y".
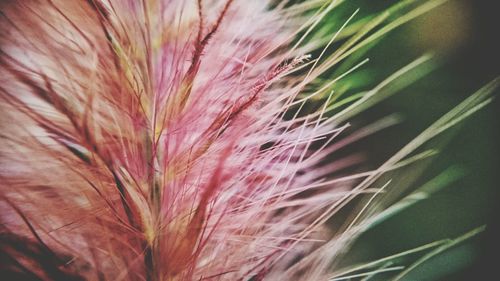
{"x": 147, "y": 140}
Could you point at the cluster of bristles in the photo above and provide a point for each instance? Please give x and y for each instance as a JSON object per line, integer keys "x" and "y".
{"x": 167, "y": 140}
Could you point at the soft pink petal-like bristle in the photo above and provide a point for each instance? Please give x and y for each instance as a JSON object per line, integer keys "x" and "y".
{"x": 145, "y": 140}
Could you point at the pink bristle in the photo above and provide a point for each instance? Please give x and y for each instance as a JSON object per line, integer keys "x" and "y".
{"x": 146, "y": 141}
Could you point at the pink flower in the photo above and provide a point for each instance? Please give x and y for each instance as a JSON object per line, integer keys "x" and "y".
{"x": 151, "y": 140}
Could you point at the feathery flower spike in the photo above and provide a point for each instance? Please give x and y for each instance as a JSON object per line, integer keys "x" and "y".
{"x": 150, "y": 140}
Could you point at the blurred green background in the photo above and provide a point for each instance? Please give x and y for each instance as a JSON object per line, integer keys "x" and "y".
{"x": 463, "y": 36}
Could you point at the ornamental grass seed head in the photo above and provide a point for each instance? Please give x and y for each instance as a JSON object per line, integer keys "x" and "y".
{"x": 173, "y": 140}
